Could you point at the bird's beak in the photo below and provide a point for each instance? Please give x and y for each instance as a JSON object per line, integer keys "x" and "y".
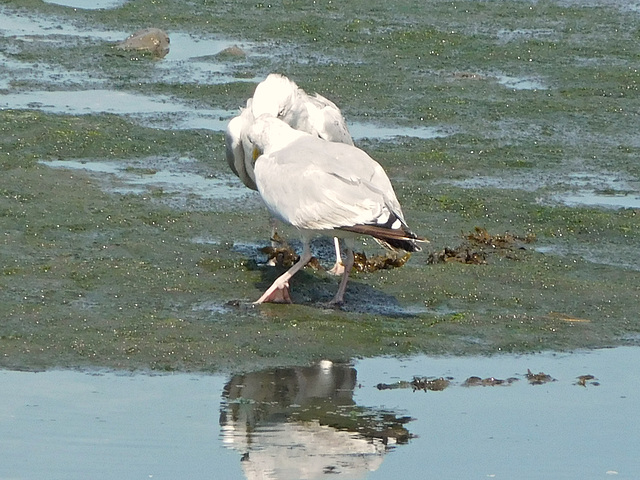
{"x": 256, "y": 153}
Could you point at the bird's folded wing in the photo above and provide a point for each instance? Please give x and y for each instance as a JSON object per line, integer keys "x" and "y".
{"x": 311, "y": 184}
{"x": 328, "y": 120}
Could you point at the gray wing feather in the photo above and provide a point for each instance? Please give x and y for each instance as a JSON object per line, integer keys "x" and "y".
{"x": 334, "y": 125}
{"x": 313, "y": 184}
{"x": 318, "y": 116}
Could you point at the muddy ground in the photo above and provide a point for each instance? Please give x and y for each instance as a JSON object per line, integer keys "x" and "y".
{"x": 531, "y": 113}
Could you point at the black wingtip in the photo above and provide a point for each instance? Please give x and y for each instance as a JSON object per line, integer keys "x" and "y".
{"x": 392, "y": 238}
{"x": 409, "y": 243}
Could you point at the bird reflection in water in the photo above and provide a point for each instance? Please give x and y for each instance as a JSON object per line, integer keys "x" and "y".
{"x": 302, "y": 422}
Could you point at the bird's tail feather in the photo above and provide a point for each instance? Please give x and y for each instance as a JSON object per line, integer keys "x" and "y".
{"x": 393, "y": 238}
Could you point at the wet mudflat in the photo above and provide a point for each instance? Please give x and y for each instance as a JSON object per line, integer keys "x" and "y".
{"x": 509, "y": 132}
{"x": 331, "y": 419}
{"x": 128, "y": 244}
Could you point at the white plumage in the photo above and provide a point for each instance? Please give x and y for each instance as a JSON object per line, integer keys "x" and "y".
{"x": 320, "y": 186}
{"x": 238, "y": 149}
{"x": 282, "y": 98}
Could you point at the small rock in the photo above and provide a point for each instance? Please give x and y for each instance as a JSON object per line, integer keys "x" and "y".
{"x": 152, "y": 40}
{"x": 232, "y": 52}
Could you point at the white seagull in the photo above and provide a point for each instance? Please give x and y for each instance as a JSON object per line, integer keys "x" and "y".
{"x": 282, "y": 98}
{"x": 324, "y": 187}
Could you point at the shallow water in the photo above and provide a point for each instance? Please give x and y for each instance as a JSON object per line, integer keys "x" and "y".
{"x": 88, "y": 4}
{"x": 584, "y": 188}
{"x": 307, "y": 422}
{"x": 601, "y": 200}
{"x": 191, "y": 58}
{"x": 520, "y": 83}
{"x": 169, "y": 175}
{"x": 362, "y": 130}
{"x": 158, "y": 111}
{"x": 29, "y": 26}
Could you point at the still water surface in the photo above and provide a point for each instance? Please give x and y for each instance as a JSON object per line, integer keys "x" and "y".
{"x": 330, "y": 419}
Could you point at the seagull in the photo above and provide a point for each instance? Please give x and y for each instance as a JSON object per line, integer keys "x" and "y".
{"x": 324, "y": 187}
{"x": 238, "y": 149}
{"x": 281, "y": 97}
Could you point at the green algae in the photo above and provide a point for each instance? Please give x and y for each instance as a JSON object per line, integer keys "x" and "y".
{"x": 91, "y": 278}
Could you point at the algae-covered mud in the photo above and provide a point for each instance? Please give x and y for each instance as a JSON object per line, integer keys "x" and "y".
{"x": 128, "y": 243}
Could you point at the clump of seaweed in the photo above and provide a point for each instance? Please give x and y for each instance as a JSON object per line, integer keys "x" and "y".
{"x": 584, "y": 380}
{"x": 481, "y": 236}
{"x": 479, "y": 245}
{"x": 418, "y": 383}
{"x": 379, "y": 262}
{"x": 461, "y": 254}
{"x": 488, "y": 382}
{"x": 433, "y": 384}
{"x": 284, "y": 256}
{"x": 539, "y": 378}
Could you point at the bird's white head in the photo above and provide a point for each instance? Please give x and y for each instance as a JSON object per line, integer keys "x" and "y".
{"x": 268, "y": 133}
{"x": 274, "y": 95}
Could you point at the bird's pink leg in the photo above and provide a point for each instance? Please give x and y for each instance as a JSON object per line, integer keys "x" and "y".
{"x": 339, "y": 298}
{"x": 338, "y": 268}
{"x": 278, "y": 292}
